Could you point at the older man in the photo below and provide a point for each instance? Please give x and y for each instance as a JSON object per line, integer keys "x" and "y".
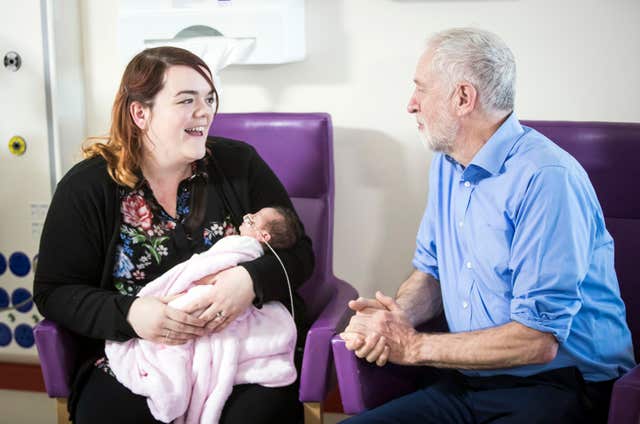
{"x": 513, "y": 247}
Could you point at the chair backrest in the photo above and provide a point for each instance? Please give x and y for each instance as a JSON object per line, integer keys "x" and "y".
{"x": 609, "y": 152}
{"x": 299, "y": 149}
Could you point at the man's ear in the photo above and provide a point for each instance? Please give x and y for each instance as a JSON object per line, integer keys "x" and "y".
{"x": 465, "y": 98}
{"x": 140, "y": 114}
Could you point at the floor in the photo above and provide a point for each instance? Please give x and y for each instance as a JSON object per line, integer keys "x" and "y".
{"x": 36, "y": 408}
{"x": 26, "y": 408}
{"x": 334, "y": 418}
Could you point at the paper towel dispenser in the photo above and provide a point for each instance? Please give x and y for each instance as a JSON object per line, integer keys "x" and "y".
{"x": 274, "y": 28}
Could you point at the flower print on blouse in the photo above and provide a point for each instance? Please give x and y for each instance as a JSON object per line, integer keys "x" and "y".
{"x": 216, "y": 230}
{"x": 143, "y": 237}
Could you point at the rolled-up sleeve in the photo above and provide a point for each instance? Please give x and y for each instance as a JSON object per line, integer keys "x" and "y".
{"x": 550, "y": 251}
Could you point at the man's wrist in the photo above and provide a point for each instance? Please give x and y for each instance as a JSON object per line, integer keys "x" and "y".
{"x": 419, "y": 351}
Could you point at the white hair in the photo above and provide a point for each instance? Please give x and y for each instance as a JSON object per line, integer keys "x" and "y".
{"x": 480, "y": 58}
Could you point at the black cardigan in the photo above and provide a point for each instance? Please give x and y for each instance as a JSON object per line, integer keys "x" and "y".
{"x": 74, "y": 279}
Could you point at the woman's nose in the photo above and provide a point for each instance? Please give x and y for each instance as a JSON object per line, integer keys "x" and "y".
{"x": 203, "y": 109}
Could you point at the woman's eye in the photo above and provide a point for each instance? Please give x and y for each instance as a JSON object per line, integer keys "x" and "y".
{"x": 210, "y": 100}
{"x": 186, "y": 101}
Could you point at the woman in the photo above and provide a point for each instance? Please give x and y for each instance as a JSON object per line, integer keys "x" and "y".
{"x": 153, "y": 193}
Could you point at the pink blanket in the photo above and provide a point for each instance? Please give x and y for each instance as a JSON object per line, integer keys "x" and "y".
{"x": 190, "y": 383}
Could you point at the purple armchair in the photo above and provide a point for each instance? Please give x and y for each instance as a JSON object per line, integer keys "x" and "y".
{"x": 608, "y": 151}
{"x": 299, "y": 148}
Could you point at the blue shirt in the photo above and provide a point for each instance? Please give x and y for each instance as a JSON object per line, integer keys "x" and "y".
{"x": 519, "y": 235}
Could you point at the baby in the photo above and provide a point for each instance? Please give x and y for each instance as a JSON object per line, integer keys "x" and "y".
{"x": 277, "y": 226}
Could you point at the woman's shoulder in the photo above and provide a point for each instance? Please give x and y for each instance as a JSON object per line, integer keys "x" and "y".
{"x": 229, "y": 146}
{"x": 88, "y": 174}
{"x": 233, "y": 156}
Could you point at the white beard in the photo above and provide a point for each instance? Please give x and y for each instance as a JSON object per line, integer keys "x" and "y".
{"x": 442, "y": 142}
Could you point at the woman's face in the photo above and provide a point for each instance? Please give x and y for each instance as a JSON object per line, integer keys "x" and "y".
{"x": 179, "y": 119}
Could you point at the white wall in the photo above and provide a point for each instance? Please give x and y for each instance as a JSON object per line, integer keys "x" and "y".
{"x": 577, "y": 60}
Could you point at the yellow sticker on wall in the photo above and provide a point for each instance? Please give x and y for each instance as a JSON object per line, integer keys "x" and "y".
{"x": 17, "y": 145}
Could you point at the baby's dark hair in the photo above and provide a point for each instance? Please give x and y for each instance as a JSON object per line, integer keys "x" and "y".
{"x": 286, "y": 231}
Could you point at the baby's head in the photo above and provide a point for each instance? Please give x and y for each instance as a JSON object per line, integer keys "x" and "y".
{"x": 277, "y": 226}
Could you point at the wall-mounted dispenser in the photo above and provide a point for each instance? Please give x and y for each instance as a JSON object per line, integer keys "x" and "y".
{"x": 222, "y": 32}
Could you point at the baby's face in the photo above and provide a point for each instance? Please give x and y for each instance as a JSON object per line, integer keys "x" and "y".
{"x": 259, "y": 220}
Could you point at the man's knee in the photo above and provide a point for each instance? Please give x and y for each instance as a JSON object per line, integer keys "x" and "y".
{"x": 541, "y": 405}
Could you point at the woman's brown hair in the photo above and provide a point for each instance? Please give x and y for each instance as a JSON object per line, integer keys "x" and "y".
{"x": 142, "y": 80}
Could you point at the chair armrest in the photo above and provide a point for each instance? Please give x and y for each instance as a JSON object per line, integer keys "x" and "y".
{"x": 625, "y": 399}
{"x": 364, "y": 385}
{"x": 57, "y": 353}
{"x": 316, "y": 361}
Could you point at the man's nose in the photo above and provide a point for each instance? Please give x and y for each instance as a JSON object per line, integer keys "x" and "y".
{"x": 412, "y": 107}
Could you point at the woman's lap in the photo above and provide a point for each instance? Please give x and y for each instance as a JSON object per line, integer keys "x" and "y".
{"x": 251, "y": 403}
{"x": 104, "y": 400}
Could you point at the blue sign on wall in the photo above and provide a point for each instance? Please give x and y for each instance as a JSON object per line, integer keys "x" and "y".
{"x": 19, "y": 264}
{"x": 24, "y": 336}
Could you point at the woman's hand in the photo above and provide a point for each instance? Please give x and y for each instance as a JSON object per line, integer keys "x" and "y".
{"x": 233, "y": 294}
{"x": 152, "y": 319}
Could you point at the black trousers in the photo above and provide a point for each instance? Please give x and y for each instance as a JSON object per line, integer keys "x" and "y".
{"x": 104, "y": 400}
{"x": 447, "y": 396}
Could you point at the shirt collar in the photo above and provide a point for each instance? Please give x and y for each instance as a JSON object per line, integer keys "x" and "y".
{"x": 493, "y": 154}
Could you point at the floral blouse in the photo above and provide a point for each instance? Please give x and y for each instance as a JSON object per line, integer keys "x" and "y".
{"x": 148, "y": 246}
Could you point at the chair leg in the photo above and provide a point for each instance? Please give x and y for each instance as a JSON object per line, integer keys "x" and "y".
{"x": 313, "y": 413}
{"x": 63, "y": 415}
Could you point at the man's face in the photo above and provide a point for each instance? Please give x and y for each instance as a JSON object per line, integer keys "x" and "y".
{"x": 431, "y": 103}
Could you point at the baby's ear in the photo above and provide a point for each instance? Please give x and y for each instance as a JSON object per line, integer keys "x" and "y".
{"x": 265, "y": 237}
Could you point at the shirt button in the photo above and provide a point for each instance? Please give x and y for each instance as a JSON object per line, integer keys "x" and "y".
{"x": 467, "y": 184}
{"x": 460, "y": 224}
{"x": 465, "y": 305}
{"x": 469, "y": 265}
